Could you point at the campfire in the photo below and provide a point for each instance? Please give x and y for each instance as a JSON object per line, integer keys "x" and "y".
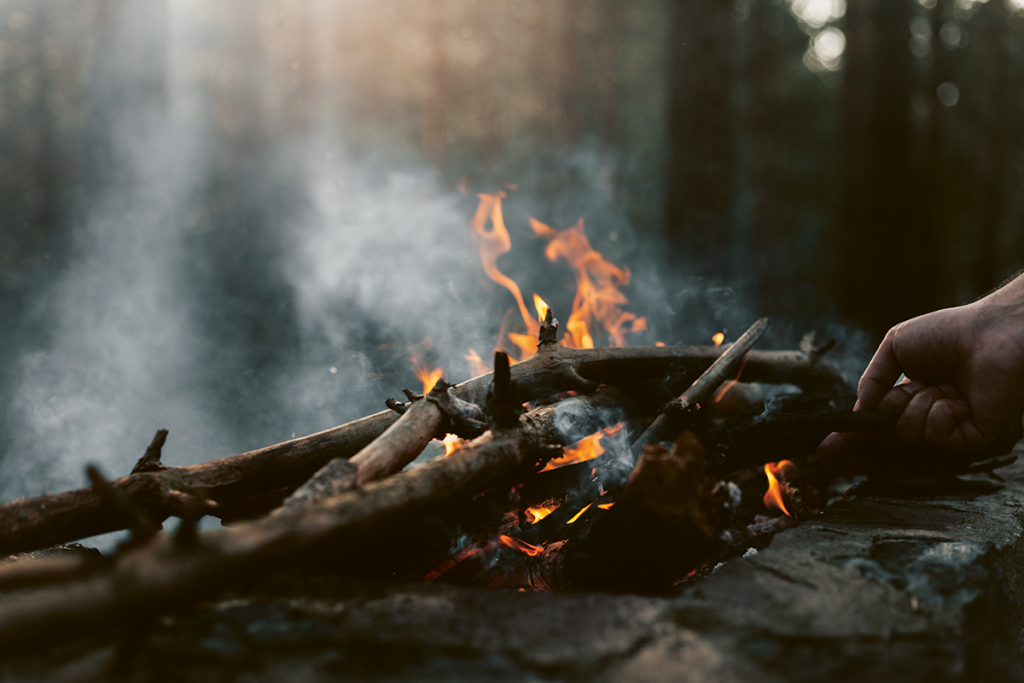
{"x": 566, "y": 464}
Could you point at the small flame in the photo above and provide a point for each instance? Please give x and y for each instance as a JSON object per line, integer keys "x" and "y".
{"x": 606, "y": 506}
{"x": 773, "y": 496}
{"x": 541, "y": 306}
{"x": 425, "y": 374}
{"x": 476, "y": 364}
{"x": 522, "y": 546}
{"x": 428, "y": 377}
{"x": 493, "y": 243}
{"x": 539, "y": 512}
{"x": 452, "y": 443}
{"x": 659, "y": 344}
{"x": 587, "y": 448}
{"x": 718, "y": 338}
{"x": 730, "y": 384}
{"x": 578, "y": 514}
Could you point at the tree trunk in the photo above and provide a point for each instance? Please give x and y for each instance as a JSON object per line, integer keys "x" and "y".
{"x": 699, "y": 183}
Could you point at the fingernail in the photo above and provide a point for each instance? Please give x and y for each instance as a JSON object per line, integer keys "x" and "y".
{"x": 949, "y": 389}
{"x": 911, "y": 388}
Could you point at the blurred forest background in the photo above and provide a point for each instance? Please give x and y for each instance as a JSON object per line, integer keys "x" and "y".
{"x": 858, "y": 161}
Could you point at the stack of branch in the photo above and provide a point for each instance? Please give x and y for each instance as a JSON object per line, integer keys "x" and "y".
{"x": 347, "y": 483}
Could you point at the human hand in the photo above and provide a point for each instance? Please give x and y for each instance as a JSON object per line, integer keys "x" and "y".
{"x": 965, "y": 373}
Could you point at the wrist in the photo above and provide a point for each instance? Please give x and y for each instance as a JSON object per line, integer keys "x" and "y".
{"x": 1002, "y": 311}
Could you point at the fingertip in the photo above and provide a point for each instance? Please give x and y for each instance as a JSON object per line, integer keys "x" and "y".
{"x": 911, "y": 425}
{"x": 940, "y": 423}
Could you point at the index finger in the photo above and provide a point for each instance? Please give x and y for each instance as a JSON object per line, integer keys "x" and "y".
{"x": 879, "y": 377}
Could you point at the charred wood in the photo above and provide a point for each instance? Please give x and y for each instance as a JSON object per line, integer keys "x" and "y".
{"x": 254, "y": 483}
{"x": 146, "y": 581}
{"x": 667, "y": 521}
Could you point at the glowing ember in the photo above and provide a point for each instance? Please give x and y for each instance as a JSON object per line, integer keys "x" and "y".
{"x": 452, "y": 443}
{"x": 773, "y": 496}
{"x": 522, "y": 546}
{"x": 535, "y": 514}
{"x": 659, "y": 344}
{"x": 606, "y": 506}
{"x": 578, "y": 514}
{"x": 718, "y": 338}
{"x": 587, "y": 448}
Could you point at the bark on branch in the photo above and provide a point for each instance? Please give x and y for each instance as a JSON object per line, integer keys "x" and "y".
{"x": 254, "y": 483}
{"x": 163, "y": 575}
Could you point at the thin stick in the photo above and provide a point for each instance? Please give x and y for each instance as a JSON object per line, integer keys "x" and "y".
{"x": 144, "y": 582}
{"x": 724, "y": 368}
{"x": 254, "y": 483}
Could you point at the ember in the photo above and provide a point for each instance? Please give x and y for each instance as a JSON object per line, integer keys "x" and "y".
{"x": 522, "y": 546}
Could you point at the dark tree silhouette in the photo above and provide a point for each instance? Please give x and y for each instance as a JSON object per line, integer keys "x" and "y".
{"x": 699, "y": 182}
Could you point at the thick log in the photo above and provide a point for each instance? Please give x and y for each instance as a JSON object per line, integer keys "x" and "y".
{"x": 253, "y": 483}
{"x": 144, "y": 582}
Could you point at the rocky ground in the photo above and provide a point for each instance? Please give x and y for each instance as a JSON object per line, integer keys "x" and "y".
{"x": 905, "y": 581}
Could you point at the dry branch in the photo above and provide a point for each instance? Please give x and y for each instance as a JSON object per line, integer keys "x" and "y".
{"x": 725, "y": 368}
{"x": 253, "y": 483}
{"x": 163, "y": 575}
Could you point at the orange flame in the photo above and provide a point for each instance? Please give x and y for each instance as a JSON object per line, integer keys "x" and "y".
{"x": 493, "y": 243}
{"x": 578, "y": 514}
{"x": 476, "y": 364}
{"x": 541, "y": 306}
{"x": 606, "y": 506}
{"x": 522, "y": 546}
{"x": 718, "y": 338}
{"x": 429, "y": 377}
{"x": 773, "y": 496}
{"x": 598, "y": 298}
{"x": 425, "y": 374}
{"x": 587, "y": 448}
{"x": 539, "y": 512}
{"x": 730, "y": 384}
{"x": 452, "y": 443}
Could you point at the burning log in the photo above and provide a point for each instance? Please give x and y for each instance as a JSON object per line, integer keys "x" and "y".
{"x": 254, "y": 483}
{"x": 667, "y": 520}
{"x": 162, "y": 575}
